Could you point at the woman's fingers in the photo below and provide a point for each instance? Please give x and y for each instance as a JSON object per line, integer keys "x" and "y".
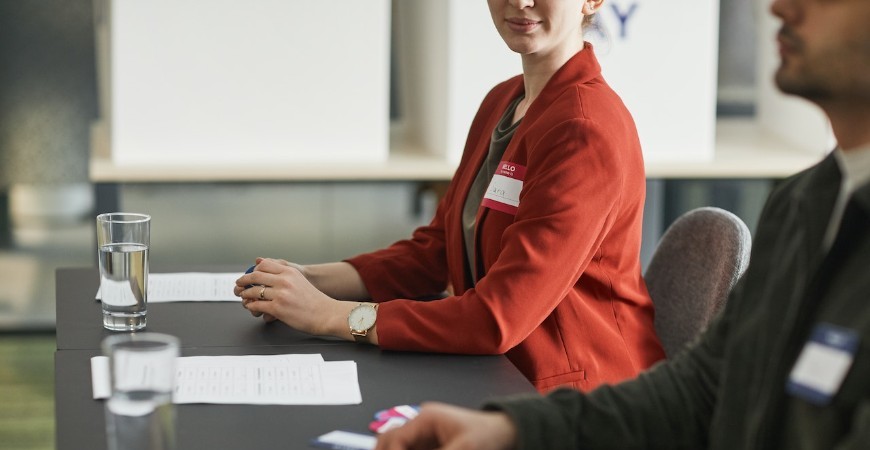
{"x": 258, "y": 308}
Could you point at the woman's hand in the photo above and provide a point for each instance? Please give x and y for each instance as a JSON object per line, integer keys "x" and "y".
{"x": 237, "y": 290}
{"x": 441, "y": 426}
{"x": 277, "y": 289}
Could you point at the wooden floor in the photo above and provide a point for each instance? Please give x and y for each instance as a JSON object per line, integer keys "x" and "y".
{"x": 27, "y": 391}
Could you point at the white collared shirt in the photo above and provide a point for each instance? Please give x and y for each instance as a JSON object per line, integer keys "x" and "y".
{"x": 855, "y": 168}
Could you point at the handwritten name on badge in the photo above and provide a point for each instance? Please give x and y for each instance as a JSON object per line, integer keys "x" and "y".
{"x": 503, "y": 193}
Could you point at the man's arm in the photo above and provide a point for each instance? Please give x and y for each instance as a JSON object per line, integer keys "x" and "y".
{"x": 669, "y": 406}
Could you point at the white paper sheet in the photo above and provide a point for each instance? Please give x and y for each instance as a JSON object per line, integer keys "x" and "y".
{"x": 191, "y": 287}
{"x": 298, "y": 379}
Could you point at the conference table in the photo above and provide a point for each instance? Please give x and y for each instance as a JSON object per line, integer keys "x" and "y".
{"x": 386, "y": 378}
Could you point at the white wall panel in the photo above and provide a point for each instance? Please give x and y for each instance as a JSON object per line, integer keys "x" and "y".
{"x": 250, "y": 81}
{"x": 662, "y": 60}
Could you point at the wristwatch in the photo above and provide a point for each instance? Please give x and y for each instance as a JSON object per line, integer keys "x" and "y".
{"x": 361, "y": 320}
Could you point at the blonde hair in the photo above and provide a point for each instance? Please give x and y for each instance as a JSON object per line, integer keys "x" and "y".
{"x": 590, "y": 20}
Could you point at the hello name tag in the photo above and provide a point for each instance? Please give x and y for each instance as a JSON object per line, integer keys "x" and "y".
{"x": 823, "y": 364}
{"x": 503, "y": 193}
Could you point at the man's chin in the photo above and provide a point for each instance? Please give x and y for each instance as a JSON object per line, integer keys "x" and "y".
{"x": 787, "y": 83}
{"x": 790, "y": 86}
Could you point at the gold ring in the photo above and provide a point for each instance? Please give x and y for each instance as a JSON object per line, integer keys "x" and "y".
{"x": 262, "y": 293}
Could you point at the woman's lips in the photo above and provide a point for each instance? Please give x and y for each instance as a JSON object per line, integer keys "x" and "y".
{"x": 522, "y": 25}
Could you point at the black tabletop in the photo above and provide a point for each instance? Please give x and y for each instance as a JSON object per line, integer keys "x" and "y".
{"x": 386, "y": 378}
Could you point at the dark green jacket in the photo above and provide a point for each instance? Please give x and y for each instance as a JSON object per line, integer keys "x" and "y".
{"x": 728, "y": 390}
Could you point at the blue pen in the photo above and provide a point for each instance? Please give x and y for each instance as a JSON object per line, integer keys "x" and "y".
{"x": 250, "y": 269}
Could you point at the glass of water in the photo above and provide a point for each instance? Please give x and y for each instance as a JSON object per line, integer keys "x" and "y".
{"x": 139, "y": 412}
{"x": 123, "y": 240}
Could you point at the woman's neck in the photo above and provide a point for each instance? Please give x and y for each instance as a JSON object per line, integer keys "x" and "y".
{"x": 537, "y": 71}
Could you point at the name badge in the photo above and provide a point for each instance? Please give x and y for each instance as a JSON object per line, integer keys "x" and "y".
{"x": 503, "y": 193}
{"x": 344, "y": 440}
{"x": 823, "y": 364}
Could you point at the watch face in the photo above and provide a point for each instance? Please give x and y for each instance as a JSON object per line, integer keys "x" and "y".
{"x": 362, "y": 318}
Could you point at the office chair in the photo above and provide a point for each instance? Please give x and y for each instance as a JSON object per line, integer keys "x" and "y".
{"x": 695, "y": 265}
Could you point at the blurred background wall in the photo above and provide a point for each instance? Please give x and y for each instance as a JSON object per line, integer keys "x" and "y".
{"x": 48, "y": 101}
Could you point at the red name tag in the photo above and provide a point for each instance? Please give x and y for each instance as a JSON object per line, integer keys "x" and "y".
{"x": 503, "y": 192}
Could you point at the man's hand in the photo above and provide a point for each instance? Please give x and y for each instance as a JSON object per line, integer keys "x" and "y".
{"x": 441, "y": 426}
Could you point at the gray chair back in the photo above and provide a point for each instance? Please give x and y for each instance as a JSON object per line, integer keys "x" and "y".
{"x": 694, "y": 266}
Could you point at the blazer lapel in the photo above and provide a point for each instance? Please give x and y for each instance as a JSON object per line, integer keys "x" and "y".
{"x": 854, "y": 226}
{"x": 815, "y": 205}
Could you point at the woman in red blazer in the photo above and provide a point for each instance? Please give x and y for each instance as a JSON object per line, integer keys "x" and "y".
{"x": 536, "y": 241}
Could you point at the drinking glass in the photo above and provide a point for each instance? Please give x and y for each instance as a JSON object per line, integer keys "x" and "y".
{"x": 123, "y": 240}
{"x": 139, "y": 412}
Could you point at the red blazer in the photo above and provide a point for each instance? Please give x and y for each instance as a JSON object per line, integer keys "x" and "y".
{"x": 561, "y": 292}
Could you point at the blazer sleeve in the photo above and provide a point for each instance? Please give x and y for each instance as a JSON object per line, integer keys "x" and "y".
{"x": 573, "y": 187}
{"x": 409, "y": 268}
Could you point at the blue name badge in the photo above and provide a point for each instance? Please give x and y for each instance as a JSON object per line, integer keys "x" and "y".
{"x": 823, "y": 364}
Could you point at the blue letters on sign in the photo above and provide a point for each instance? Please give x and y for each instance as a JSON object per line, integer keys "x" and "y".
{"x": 623, "y": 17}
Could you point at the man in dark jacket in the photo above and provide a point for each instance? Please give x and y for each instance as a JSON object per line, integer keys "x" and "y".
{"x": 787, "y": 363}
